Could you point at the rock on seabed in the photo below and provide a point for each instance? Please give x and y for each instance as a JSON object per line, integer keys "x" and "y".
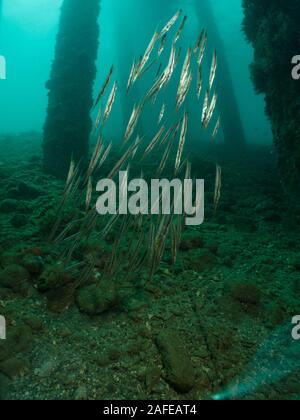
{"x": 176, "y": 361}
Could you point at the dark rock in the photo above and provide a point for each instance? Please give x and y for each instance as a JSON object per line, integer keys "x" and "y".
{"x": 273, "y": 217}
{"x": 12, "y": 368}
{"x": 8, "y": 258}
{"x": 212, "y": 247}
{"x": 35, "y": 323}
{"x": 4, "y": 387}
{"x": 53, "y": 277}
{"x": 33, "y": 264}
{"x": 18, "y": 340}
{"x": 244, "y": 224}
{"x": 9, "y": 206}
{"x": 25, "y": 191}
{"x": 61, "y": 299}
{"x": 152, "y": 378}
{"x": 97, "y": 298}
{"x": 176, "y": 361}
{"x": 246, "y": 292}
{"x": 191, "y": 243}
{"x": 201, "y": 260}
{"x": 19, "y": 220}
{"x": 114, "y": 354}
{"x": 16, "y": 278}
{"x": 101, "y": 360}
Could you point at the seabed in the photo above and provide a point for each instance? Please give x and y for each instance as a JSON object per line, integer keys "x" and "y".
{"x": 186, "y": 334}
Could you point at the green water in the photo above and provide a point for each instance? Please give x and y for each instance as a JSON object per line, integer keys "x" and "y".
{"x": 115, "y": 311}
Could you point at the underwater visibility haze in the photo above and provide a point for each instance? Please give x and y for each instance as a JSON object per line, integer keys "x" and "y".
{"x": 149, "y": 200}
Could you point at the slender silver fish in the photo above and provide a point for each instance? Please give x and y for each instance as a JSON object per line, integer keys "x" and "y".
{"x": 199, "y": 81}
{"x": 185, "y": 90}
{"x": 138, "y": 141}
{"x": 181, "y": 141}
{"x": 202, "y": 49}
{"x": 167, "y": 135}
{"x": 199, "y": 41}
{"x": 110, "y": 103}
{"x": 71, "y": 172}
{"x": 165, "y": 77}
{"x": 109, "y": 226}
{"x": 154, "y": 142}
{"x": 95, "y": 157}
{"x": 186, "y": 65}
{"x": 105, "y": 156}
{"x": 103, "y": 89}
{"x": 137, "y": 110}
{"x": 216, "y": 129}
{"x": 158, "y": 70}
{"x": 213, "y": 70}
{"x": 98, "y": 119}
{"x": 147, "y": 54}
{"x": 171, "y": 66}
{"x": 170, "y": 24}
{"x": 211, "y": 110}
{"x": 162, "y": 113}
{"x": 178, "y": 56}
{"x": 123, "y": 159}
{"x": 185, "y": 80}
{"x": 162, "y": 45}
{"x": 132, "y": 76}
{"x": 165, "y": 158}
{"x": 166, "y": 155}
{"x": 174, "y": 240}
{"x": 218, "y": 187}
{"x": 180, "y": 30}
{"x": 89, "y": 193}
{"x": 205, "y": 108}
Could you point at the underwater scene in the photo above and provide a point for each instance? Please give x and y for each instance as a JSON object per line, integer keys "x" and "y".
{"x": 149, "y": 200}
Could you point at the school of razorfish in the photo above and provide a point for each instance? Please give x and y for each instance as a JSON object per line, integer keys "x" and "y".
{"x": 146, "y": 237}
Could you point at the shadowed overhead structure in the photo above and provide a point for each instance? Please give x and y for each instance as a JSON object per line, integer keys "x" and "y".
{"x": 68, "y": 122}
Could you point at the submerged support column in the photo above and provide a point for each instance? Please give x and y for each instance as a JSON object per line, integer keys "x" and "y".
{"x": 68, "y": 122}
{"x": 272, "y": 27}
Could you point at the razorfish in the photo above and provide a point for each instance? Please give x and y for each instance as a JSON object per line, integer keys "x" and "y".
{"x": 110, "y": 103}
{"x": 181, "y": 141}
{"x": 154, "y": 142}
{"x": 213, "y": 70}
{"x": 137, "y": 110}
{"x": 170, "y": 24}
{"x": 216, "y": 129}
{"x": 218, "y": 187}
{"x": 202, "y": 49}
{"x": 180, "y": 30}
{"x": 162, "y": 113}
{"x": 103, "y": 89}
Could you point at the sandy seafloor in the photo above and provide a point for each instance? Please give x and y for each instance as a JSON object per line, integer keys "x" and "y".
{"x": 190, "y": 332}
